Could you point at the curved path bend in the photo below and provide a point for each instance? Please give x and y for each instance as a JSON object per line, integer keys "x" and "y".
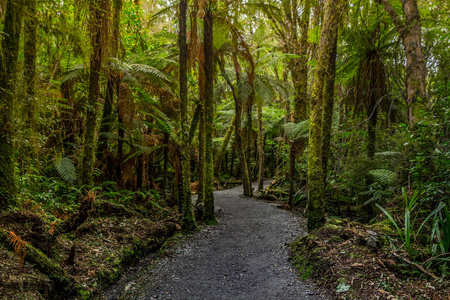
{"x": 244, "y": 257}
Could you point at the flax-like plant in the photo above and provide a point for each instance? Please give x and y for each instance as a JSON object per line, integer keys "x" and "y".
{"x": 407, "y": 232}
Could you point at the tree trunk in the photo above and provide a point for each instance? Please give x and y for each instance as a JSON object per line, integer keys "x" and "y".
{"x": 98, "y": 9}
{"x": 261, "y": 155}
{"x": 299, "y": 72}
{"x": 188, "y": 223}
{"x": 327, "y": 117}
{"x": 30, "y": 58}
{"x": 208, "y": 211}
{"x": 194, "y": 122}
{"x": 411, "y": 34}
{"x": 223, "y": 148}
{"x": 165, "y": 162}
{"x": 8, "y": 69}
{"x": 107, "y": 116}
{"x": 315, "y": 169}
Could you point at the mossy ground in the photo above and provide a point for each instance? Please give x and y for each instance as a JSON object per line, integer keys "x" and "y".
{"x": 104, "y": 247}
{"x": 337, "y": 257}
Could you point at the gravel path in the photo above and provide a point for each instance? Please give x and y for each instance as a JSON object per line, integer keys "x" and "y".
{"x": 244, "y": 257}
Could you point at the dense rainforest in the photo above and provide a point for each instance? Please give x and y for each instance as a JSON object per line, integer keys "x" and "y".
{"x": 113, "y": 113}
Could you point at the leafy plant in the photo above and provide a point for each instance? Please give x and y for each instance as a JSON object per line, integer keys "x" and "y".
{"x": 407, "y": 235}
{"x": 66, "y": 170}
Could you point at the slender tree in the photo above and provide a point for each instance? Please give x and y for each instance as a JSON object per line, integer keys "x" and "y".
{"x": 108, "y": 116}
{"x": 8, "y": 68}
{"x": 30, "y": 57}
{"x": 188, "y": 222}
{"x": 322, "y": 72}
{"x": 410, "y": 32}
{"x": 98, "y": 33}
{"x": 208, "y": 212}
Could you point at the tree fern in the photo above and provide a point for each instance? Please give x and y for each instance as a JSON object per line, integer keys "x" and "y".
{"x": 296, "y": 132}
{"x": 66, "y": 169}
{"x": 384, "y": 176}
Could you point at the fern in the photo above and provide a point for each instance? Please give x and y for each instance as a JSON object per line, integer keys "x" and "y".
{"x": 66, "y": 170}
{"x": 19, "y": 246}
{"x": 384, "y": 176}
{"x": 296, "y": 132}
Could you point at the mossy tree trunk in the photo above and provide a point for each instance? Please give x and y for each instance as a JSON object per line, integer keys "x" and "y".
{"x": 8, "y": 68}
{"x": 188, "y": 222}
{"x": 30, "y": 58}
{"x": 316, "y": 216}
{"x": 299, "y": 72}
{"x": 108, "y": 116}
{"x": 208, "y": 211}
{"x": 327, "y": 117}
{"x": 261, "y": 155}
{"x": 99, "y": 18}
{"x": 62, "y": 283}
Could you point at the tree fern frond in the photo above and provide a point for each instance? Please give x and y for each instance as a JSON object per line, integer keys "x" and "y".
{"x": 77, "y": 72}
{"x": 296, "y": 132}
{"x": 384, "y": 176}
{"x": 66, "y": 169}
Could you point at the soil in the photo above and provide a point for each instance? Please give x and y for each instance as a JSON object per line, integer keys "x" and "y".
{"x": 244, "y": 257}
{"x": 355, "y": 261}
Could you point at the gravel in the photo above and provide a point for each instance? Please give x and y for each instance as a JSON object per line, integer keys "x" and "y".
{"x": 244, "y": 257}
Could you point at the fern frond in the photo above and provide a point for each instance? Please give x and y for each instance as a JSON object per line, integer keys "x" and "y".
{"x": 384, "y": 176}
{"x": 66, "y": 170}
{"x": 19, "y": 246}
{"x": 296, "y": 132}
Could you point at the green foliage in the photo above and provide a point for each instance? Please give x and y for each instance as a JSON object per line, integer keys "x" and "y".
{"x": 384, "y": 176}
{"x": 66, "y": 169}
{"x": 407, "y": 233}
{"x": 297, "y": 132}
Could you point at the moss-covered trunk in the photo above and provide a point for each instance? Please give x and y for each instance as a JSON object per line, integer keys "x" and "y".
{"x": 315, "y": 168}
{"x": 99, "y": 17}
{"x": 208, "y": 211}
{"x": 62, "y": 283}
{"x": 188, "y": 222}
{"x": 261, "y": 155}
{"x": 223, "y": 148}
{"x": 8, "y": 69}
{"x": 30, "y": 23}
{"x": 327, "y": 117}
{"x": 108, "y": 116}
{"x": 299, "y": 74}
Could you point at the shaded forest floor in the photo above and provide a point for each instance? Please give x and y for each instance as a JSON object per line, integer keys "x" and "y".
{"x": 352, "y": 260}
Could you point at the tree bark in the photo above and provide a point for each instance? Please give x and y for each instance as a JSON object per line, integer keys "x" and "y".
{"x": 411, "y": 35}
{"x": 98, "y": 9}
{"x": 261, "y": 155}
{"x": 327, "y": 117}
{"x": 8, "y": 68}
{"x": 188, "y": 222}
{"x": 208, "y": 211}
{"x": 316, "y": 216}
{"x": 30, "y": 58}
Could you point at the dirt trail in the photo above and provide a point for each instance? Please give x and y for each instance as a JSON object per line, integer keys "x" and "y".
{"x": 244, "y": 257}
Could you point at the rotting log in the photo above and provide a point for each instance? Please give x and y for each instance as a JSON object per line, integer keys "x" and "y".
{"x": 62, "y": 284}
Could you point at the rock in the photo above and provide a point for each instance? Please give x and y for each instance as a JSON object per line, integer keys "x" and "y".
{"x": 372, "y": 240}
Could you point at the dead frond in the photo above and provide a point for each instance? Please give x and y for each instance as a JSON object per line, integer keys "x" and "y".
{"x": 20, "y": 247}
